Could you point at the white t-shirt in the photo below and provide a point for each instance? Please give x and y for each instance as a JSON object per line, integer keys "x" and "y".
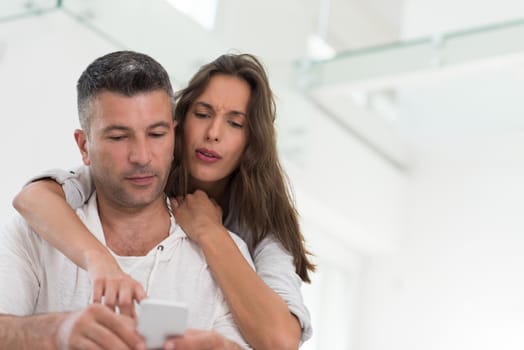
{"x": 37, "y": 278}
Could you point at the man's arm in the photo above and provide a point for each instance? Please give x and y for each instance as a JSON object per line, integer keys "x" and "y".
{"x": 29, "y": 332}
{"x": 95, "y": 327}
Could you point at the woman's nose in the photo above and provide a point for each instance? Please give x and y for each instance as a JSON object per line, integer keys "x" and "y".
{"x": 214, "y": 130}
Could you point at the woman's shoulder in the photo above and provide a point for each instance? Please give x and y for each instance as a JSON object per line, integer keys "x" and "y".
{"x": 272, "y": 247}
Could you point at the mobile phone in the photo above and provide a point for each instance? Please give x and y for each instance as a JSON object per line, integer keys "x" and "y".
{"x": 159, "y": 319}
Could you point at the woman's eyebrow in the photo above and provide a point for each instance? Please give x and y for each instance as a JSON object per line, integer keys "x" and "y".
{"x": 210, "y": 107}
{"x": 235, "y": 113}
{"x": 204, "y": 104}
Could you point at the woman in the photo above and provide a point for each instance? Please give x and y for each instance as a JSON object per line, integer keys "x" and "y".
{"x": 225, "y": 168}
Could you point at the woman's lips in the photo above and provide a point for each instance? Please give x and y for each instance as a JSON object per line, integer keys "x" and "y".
{"x": 207, "y": 155}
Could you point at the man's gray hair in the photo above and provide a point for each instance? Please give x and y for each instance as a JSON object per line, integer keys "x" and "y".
{"x": 124, "y": 72}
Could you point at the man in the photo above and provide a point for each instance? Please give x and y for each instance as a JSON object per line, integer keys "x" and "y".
{"x": 127, "y": 138}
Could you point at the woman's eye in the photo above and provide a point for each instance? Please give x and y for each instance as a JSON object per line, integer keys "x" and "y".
{"x": 235, "y": 124}
{"x": 157, "y": 134}
{"x": 201, "y": 115}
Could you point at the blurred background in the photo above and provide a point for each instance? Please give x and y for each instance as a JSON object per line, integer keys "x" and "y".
{"x": 400, "y": 124}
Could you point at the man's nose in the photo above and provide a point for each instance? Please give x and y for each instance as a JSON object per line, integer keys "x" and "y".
{"x": 140, "y": 152}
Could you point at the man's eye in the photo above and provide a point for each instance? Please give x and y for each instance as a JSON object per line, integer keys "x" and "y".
{"x": 157, "y": 134}
{"x": 117, "y": 138}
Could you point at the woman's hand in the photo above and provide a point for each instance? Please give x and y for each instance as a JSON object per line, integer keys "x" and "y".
{"x": 116, "y": 287}
{"x": 197, "y": 214}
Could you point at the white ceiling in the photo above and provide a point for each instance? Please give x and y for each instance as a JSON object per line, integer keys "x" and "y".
{"x": 357, "y": 24}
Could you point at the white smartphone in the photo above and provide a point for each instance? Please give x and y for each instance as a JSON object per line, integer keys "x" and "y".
{"x": 159, "y": 319}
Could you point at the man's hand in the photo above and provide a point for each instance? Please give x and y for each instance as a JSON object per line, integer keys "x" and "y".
{"x": 114, "y": 285}
{"x": 97, "y": 327}
{"x": 200, "y": 340}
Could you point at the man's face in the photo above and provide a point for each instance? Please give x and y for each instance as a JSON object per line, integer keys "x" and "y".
{"x": 130, "y": 147}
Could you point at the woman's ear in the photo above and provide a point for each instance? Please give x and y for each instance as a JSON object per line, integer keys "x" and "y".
{"x": 81, "y": 141}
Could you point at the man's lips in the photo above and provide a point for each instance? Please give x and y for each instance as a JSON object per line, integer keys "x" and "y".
{"x": 140, "y": 179}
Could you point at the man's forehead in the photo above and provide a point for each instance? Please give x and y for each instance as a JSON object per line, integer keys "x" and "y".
{"x": 142, "y": 108}
{"x": 108, "y": 95}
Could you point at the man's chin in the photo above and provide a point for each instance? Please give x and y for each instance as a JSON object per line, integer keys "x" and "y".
{"x": 142, "y": 200}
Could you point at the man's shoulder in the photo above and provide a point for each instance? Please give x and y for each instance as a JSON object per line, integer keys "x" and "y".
{"x": 16, "y": 227}
{"x": 88, "y": 214}
{"x": 19, "y": 239}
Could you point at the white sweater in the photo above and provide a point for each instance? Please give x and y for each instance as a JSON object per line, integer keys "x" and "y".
{"x": 37, "y": 278}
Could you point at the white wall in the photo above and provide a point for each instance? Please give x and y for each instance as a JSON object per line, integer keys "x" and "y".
{"x": 457, "y": 281}
{"x": 43, "y": 59}
{"x": 349, "y": 191}
{"x": 352, "y": 205}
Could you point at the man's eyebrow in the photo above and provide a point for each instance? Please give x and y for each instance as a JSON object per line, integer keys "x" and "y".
{"x": 208, "y": 106}
{"x": 161, "y": 124}
{"x": 115, "y": 127}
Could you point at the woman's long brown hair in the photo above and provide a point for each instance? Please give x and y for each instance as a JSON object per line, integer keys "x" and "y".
{"x": 259, "y": 184}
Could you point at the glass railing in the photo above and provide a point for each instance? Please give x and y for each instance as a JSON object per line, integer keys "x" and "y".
{"x": 422, "y": 55}
{"x": 14, "y": 9}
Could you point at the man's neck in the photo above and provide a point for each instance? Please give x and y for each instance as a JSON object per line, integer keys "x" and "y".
{"x": 134, "y": 231}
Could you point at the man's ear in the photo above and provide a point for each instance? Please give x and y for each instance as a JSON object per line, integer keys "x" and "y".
{"x": 81, "y": 141}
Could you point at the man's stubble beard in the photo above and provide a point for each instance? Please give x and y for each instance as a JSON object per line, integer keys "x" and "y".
{"x": 116, "y": 192}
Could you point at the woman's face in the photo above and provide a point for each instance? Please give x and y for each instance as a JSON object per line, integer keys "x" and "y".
{"x": 215, "y": 131}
